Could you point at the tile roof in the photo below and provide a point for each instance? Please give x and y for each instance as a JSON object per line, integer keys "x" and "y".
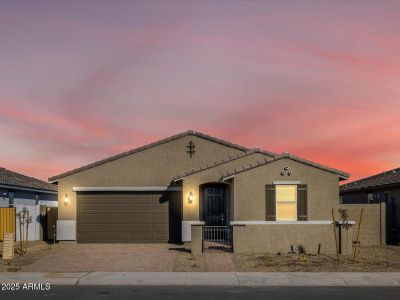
{"x": 13, "y": 179}
{"x": 377, "y": 180}
{"x": 341, "y": 174}
{"x": 223, "y": 161}
{"x": 166, "y": 140}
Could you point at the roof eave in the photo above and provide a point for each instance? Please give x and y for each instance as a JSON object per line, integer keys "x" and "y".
{"x": 14, "y": 187}
{"x": 369, "y": 188}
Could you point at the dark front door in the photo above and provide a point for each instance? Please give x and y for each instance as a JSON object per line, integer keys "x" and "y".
{"x": 214, "y": 201}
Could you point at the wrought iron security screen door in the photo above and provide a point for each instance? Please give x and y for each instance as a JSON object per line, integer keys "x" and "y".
{"x": 214, "y": 206}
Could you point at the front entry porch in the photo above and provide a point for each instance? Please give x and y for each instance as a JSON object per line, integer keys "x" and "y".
{"x": 216, "y": 233}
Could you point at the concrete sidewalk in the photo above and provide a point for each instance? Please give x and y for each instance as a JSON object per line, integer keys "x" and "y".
{"x": 206, "y": 279}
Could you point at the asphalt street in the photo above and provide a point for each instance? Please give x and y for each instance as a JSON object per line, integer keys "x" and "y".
{"x": 205, "y": 292}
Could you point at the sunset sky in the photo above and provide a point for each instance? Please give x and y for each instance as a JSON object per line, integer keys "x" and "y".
{"x": 80, "y": 81}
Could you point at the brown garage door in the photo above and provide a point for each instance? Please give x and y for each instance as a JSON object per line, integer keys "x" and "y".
{"x": 126, "y": 217}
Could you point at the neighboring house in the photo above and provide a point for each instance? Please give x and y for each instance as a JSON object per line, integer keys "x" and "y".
{"x": 17, "y": 190}
{"x": 380, "y": 188}
{"x": 163, "y": 191}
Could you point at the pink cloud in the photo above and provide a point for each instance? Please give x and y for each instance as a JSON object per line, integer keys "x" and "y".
{"x": 81, "y": 83}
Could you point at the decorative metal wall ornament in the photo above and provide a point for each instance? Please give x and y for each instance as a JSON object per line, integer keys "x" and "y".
{"x": 191, "y": 150}
{"x": 286, "y": 171}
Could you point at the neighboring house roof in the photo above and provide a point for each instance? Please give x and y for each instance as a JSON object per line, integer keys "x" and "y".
{"x": 166, "y": 140}
{"x": 223, "y": 161}
{"x": 15, "y": 180}
{"x": 382, "y": 179}
{"x": 342, "y": 175}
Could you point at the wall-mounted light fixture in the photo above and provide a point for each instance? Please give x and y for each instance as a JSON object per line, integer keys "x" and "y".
{"x": 66, "y": 199}
{"x": 190, "y": 198}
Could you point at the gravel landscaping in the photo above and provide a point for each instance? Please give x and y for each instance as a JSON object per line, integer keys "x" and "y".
{"x": 371, "y": 259}
{"x": 187, "y": 262}
{"x": 72, "y": 257}
{"x": 36, "y": 251}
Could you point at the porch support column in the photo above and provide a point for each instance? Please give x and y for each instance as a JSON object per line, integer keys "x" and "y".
{"x": 197, "y": 239}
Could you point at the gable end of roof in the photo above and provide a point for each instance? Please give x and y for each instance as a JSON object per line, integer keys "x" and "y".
{"x": 148, "y": 146}
{"x": 342, "y": 175}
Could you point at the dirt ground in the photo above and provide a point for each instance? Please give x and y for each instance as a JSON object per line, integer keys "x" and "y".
{"x": 187, "y": 262}
{"x": 36, "y": 251}
{"x": 74, "y": 257}
{"x": 371, "y": 259}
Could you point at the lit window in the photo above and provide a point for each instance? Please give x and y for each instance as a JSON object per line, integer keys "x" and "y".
{"x": 286, "y": 202}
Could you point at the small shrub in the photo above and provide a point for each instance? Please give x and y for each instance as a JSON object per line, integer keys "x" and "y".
{"x": 301, "y": 250}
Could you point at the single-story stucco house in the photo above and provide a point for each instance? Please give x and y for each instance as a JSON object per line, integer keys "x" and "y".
{"x": 193, "y": 187}
{"x": 18, "y": 190}
{"x": 379, "y": 188}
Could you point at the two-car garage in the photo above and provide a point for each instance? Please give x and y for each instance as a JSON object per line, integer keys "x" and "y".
{"x": 130, "y": 217}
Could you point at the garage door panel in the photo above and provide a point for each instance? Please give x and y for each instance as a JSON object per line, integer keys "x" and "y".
{"x": 104, "y": 237}
{"x": 91, "y": 206}
{"x": 161, "y": 207}
{"x": 142, "y": 196}
{"x": 87, "y": 216}
{"x": 139, "y": 206}
{"x": 118, "y": 217}
{"x": 140, "y": 227}
{"x": 115, "y": 216}
{"x": 91, "y": 216}
{"x": 141, "y": 238}
{"x": 160, "y": 217}
{"x": 116, "y": 206}
{"x": 103, "y": 227}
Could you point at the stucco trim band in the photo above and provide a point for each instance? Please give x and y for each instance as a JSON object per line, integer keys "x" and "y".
{"x": 322, "y": 222}
{"x": 127, "y": 189}
{"x": 286, "y": 182}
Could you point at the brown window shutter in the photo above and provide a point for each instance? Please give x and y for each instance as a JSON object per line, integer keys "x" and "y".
{"x": 270, "y": 205}
{"x": 302, "y": 202}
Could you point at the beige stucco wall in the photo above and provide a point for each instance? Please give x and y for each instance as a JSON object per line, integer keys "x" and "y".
{"x": 278, "y": 238}
{"x": 191, "y": 183}
{"x": 155, "y": 166}
{"x": 322, "y": 189}
{"x": 373, "y": 224}
{"x": 274, "y": 238}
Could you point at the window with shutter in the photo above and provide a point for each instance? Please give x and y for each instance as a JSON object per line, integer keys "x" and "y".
{"x": 270, "y": 203}
{"x": 302, "y": 214}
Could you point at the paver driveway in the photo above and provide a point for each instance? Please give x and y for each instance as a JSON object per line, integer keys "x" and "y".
{"x": 107, "y": 257}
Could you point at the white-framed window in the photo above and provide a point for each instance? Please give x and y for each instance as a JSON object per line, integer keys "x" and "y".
{"x": 286, "y": 202}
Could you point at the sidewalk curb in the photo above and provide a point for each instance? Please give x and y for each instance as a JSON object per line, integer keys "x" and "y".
{"x": 206, "y": 279}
